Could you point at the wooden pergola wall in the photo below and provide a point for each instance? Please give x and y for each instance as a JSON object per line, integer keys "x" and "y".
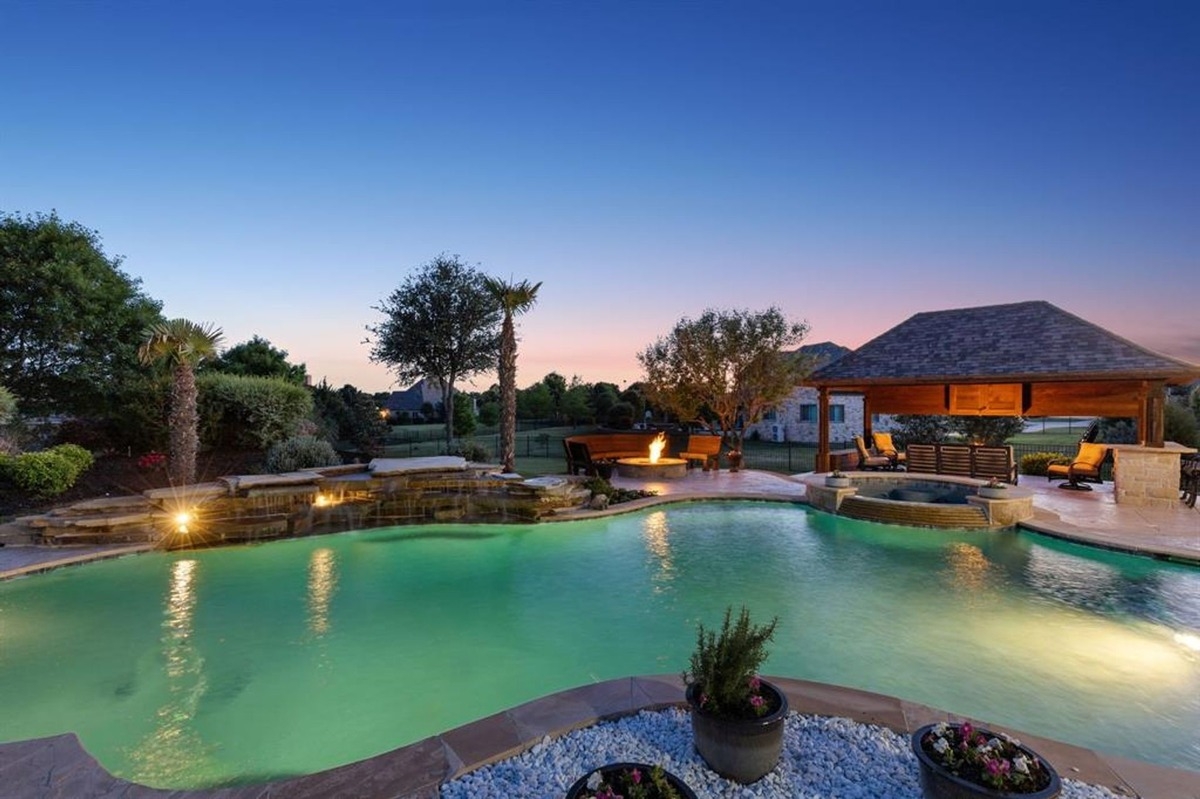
{"x": 1143, "y": 400}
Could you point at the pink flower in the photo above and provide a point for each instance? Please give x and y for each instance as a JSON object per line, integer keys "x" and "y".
{"x": 757, "y": 702}
{"x": 636, "y": 776}
{"x": 755, "y": 683}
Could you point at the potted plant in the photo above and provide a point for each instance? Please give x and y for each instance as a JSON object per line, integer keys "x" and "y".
{"x": 631, "y": 781}
{"x": 736, "y": 458}
{"x": 961, "y": 761}
{"x": 837, "y": 479}
{"x": 993, "y": 489}
{"x": 737, "y": 717}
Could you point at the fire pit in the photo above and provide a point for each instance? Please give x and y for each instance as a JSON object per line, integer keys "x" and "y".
{"x": 654, "y": 467}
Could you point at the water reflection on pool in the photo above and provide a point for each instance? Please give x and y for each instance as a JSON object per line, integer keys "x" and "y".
{"x": 246, "y": 664}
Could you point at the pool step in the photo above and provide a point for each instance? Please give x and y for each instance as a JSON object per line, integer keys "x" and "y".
{"x": 917, "y": 514}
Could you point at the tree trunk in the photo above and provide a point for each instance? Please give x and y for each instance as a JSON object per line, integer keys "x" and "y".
{"x": 508, "y": 396}
{"x": 448, "y": 407}
{"x": 184, "y": 424}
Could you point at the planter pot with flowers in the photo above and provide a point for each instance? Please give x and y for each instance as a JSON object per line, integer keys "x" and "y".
{"x": 736, "y": 459}
{"x": 737, "y": 717}
{"x": 836, "y": 479}
{"x": 631, "y": 781}
{"x": 993, "y": 489}
{"x": 961, "y": 761}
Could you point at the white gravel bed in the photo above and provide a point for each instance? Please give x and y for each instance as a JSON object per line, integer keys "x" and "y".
{"x": 823, "y": 758}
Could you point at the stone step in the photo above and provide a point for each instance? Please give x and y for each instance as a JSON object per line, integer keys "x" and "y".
{"x": 913, "y": 513}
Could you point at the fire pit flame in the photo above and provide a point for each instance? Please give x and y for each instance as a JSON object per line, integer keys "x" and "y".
{"x": 656, "y": 447}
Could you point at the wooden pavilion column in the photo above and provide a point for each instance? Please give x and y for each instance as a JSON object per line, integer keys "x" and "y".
{"x": 867, "y": 437}
{"x": 1151, "y": 421}
{"x": 822, "y": 464}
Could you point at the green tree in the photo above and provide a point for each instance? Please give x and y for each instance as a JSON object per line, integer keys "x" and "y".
{"x": 8, "y": 406}
{"x": 350, "y": 418}
{"x": 576, "y": 405}
{"x": 990, "y": 430}
{"x": 557, "y": 385}
{"x": 1179, "y": 425}
{"x": 922, "y": 429}
{"x": 464, "y": 416}
{"x": 257, "y": 358}
{"x": 441, "y": 323}
{"x": 602, "y": 397}
{"x": 181, "y": 345}
{"x": 732, "y": 362}
{"x": 535, "y": 402}
{"x": 70, "y": 319}
{"x": 514, "y": 298}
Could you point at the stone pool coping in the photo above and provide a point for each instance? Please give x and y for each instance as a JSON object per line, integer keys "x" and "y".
{"x": 59, "y": 767}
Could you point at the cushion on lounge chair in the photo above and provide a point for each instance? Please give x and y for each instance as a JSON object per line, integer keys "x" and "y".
{"x": 1085, "y": 466}
{"x": 885, "y": 447}
{"x": 868, "y": 459}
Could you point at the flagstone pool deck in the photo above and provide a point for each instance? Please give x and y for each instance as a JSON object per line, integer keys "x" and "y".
{"x": 59, "y": 767}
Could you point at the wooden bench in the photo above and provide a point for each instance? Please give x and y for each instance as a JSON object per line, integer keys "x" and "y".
{"x": 703, "y": 448}
{"x": 585, "y": 453}
{"x": 962, "y": 460}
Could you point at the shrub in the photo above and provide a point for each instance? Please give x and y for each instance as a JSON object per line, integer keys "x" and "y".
{"x": 79, "y": 458}
{"x": 249, "y": 412}
{"x": 472, "y": 451}
{"x": 1035, "y": 463}
{"x": 41, "y": 474}
{"x": 1179, "y": 425}
{"x": 301, "y": 452}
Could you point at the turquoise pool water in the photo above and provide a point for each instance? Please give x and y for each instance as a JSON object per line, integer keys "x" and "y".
{"x": 246, "y": 664}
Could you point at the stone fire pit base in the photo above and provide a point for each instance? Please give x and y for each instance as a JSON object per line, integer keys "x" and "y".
{"x": 643, "y": 469}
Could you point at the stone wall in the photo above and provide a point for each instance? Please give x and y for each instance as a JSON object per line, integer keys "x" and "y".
{"x": 255, "y": 507}
{"x": 1147, "y": 476}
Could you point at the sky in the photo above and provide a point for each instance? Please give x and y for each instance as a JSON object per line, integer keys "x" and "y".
{"x": 279, "y": 168}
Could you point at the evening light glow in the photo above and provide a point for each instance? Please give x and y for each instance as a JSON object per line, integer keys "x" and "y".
{"x": 278, "y": 169}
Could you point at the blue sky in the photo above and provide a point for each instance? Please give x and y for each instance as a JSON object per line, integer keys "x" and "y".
{"x": 278, "y": 168}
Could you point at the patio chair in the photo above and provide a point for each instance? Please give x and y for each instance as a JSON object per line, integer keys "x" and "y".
{"x": 869, "y": 460}
{"x": 1085, "y": 466}
{"x": 885, "y": 447}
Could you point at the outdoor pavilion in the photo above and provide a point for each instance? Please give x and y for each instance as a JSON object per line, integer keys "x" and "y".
{"x": 1020, "y": 359}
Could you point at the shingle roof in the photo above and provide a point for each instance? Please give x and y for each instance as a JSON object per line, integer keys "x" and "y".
{"x": 1009, "y": 343}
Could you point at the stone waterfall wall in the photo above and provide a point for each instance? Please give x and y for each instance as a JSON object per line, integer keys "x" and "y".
{"x": 333, "y": 499}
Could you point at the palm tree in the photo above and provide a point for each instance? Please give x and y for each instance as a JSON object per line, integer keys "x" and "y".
{"x": 514, "y": 298}
{"x": 181, "y": 345}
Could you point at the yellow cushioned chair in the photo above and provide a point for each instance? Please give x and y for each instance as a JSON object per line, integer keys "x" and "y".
{"x": 885, "y": 447}
{"x": 1086, "y": 466}
{"x": 868, "y": 459}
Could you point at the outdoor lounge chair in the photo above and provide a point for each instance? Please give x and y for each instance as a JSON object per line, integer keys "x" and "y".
{"x": 1085, "y": 466}
{"x": 885, "y": 447}
{"x": 869, "y": 460}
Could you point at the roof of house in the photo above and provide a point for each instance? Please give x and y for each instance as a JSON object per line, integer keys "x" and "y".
{"x": 1017, "y": 342}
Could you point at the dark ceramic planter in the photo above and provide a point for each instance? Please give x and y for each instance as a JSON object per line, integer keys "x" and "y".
{"x": 742, "y": 750}
{"x": 937, "y": 783}
{"x": 580, "y": 785}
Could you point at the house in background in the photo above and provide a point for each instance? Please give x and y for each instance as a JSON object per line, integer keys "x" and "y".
{"x": 415, "y": 401}
{"x": 795, "y": 419}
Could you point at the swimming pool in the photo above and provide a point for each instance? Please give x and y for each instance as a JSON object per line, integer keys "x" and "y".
{"x": 254, "y": 663}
